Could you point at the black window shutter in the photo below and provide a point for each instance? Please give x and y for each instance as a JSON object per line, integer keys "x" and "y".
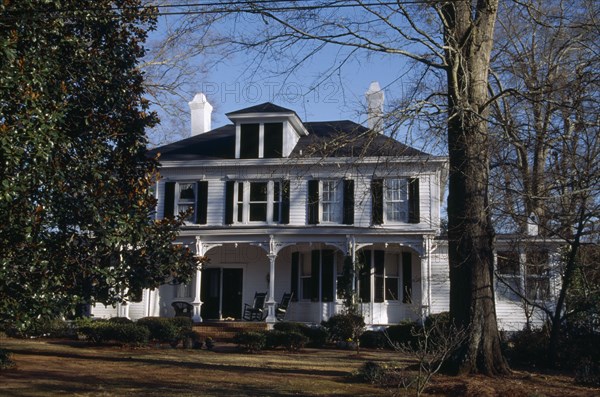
{"x": 378, "y": 258}
{"x": 285, "y": 202}
{"x": 377, "y": 201}
{"x": 313, "y": 202}
{"x": 327, "y": 276}
{"x": 295, "y": 275}
{"x": 365, "y": 276}
{"x": 229, "y": 185}
{"x": 413, "y": 200}
{"x": 348, "y": 202}
{"x": 169, "y": 208}
{"x": 201, "y": 202}
{"x": 315, "y": 259}
{"x": 406, "y": 277}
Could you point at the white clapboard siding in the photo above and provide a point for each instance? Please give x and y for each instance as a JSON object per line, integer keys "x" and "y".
{"x": 440, "y": 280}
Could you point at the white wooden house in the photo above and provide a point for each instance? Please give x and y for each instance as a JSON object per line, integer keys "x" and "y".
{"x": 277, "y": 204}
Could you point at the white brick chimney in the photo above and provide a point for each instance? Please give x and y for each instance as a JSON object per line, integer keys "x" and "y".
{"x": 201, "y": 112}
{"x": 375, "y": 99}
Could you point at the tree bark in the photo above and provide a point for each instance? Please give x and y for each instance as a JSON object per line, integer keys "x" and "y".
{"x": 468, "y": 39}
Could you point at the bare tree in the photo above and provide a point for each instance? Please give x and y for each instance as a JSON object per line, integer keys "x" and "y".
{"x": 546, "y": 126}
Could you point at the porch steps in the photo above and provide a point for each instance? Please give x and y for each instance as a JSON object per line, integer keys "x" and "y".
{"x": 225, "y": 331}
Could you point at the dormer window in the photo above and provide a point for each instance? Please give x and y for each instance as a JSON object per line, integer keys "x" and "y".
{"x": 260, "y": 140}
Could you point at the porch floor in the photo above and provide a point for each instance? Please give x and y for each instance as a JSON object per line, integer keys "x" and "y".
{"x": 225, "y": 331}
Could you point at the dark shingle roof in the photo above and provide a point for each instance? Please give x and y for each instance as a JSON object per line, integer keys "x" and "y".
{"x": 266, "y": 107}
{"x": 341, "y": 138}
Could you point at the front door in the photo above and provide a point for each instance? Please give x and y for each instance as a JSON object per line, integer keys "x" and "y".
{"x": 221, "y": 293}
{"x": 232, "y": 293}
{"x": 210, "y": 294}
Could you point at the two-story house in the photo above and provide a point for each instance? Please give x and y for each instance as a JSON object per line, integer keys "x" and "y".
{"x": 279, "y": 205}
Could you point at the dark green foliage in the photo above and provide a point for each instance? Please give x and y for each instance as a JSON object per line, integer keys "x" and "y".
{"x": 372, "y": 372}
{"x": 528, "y": 348}
{"x": 587, "y": 372}
{"x": 316, "y": 336}
{"x": 405, "y": 333}
{"x": 162, "y": 329}
{"x": 342, "y": 327}
{"x": 6, "y": 361}
{"x": 183, "y": 323}
{"x": 293, "y": 341}
{"x": 274, "y": 338}
{"x": 251, "y": 342}
{"x": 119, "y": 332}
{"x": 119, "y": 320}
{"x": 374, "y": 340}
{"x": 76, "y": 223}
{"x": 41, "y": 327}
{"x": 191, "y": 339}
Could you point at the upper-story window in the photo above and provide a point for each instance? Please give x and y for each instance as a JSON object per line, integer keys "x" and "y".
{"x": 186, "y": 200}
{"x": 260, "y": 140}
{"x": 395, "y": 200}
{"x": 187, "y": 197}
{"x": 331, "y": 201}
{"x": 257, "y": 202}
{"x": 523, "y": 275}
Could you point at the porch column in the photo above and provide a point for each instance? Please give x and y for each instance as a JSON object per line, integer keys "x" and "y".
{"x": 426, "y": 279}
{"x": 197, "y": 303}
{"x": 271, "y": 300}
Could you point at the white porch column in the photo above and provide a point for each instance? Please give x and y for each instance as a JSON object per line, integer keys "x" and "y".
{"x": 426, "y": 278}
{"x": 271, "y": 299}
{"x": 197, "y": 303}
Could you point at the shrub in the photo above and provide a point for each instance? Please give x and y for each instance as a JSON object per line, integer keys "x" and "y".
{"x": 403, "y": 334}
{"x": 587, "y": 372}
{"x": 41, "y": 327}
{"x": 125, "y": 333}
{"x": 91, "y": 329}
{"x": 372, "y": 372}
{"x": 6, "y": 361}
{"x": 120, "y": 320}
{"x": 342, "y": 327}
{"x": 293, "y": 341}
{"x": 317, "y": 336}
{"x": 251, "y": 342}
{"x": 191, "y": 340}
{"x": 374, "y": 340}
{"x": 274, "y": 338}
{"x": 161, "y": 329}
{"x": 528, "y": 347}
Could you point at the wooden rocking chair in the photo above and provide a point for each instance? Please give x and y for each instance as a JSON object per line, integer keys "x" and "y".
{"x": 282, "y": 307}
{"x": 256, "y": 311}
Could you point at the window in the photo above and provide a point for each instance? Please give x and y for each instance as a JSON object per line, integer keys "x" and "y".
{"x": 392, "y": 277}
{"x": 258, "y": 201}
{"x": 181, "y": 197}
{"x": 330, "y": 202}
{"x": 396, "y": 200}
{"x": 260, "y": 140}
{"x": 249, "y": 141}
{"x": 186, "y": 200}
{"x": 305, "y": 282}
{"x": 537, "y": 282}
{"x": 508, "y": 268}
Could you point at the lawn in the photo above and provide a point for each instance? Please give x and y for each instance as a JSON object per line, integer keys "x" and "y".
{"x": 54, "y": 367}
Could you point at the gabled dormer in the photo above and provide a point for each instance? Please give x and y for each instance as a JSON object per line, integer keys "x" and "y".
{"x": 266, "y": 131}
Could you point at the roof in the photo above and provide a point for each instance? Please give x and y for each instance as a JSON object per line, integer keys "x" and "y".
{"x": 266, "y": 107}
{"x": 340, "y": 138}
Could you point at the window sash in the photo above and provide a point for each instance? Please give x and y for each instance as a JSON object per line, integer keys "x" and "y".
{"x": 330, "y": 202}
{"x": 396, "y": 200}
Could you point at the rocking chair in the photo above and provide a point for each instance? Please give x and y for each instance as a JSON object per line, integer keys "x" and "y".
{"x": 183, "y": 309}
{"x": 281, "y": 309}
{"x": 256, "y": 311}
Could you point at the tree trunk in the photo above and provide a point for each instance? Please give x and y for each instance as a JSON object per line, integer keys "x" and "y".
{"x": 468, "y": 39}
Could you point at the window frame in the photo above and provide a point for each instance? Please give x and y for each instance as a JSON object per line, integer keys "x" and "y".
{"x": 335, "y": 216}
{"x": 243, "y": 203}
{"x": 191, "y": 219}
{"x": 401, "y": 201}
